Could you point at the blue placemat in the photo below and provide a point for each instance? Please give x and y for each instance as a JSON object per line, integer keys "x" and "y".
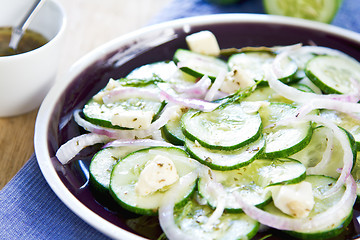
{"x": 28, "y": 207}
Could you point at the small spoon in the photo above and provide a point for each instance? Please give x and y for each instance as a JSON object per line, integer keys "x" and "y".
{"x": 19, "y": 30}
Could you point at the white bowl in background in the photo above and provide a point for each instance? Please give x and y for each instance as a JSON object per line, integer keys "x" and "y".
{"x": 26, "y": 78}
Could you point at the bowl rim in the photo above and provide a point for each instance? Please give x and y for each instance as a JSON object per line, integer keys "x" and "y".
{"x": 48, "y": 106}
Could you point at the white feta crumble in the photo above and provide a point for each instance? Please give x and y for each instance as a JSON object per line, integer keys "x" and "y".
{"x": 137, "y": 119}
{"x": 112, "y": 84}
{"x": 157, "y": 174}
{"x": 203, "y": 42}
{"x": 237, "y": 79}
{"x": 296, "y": 200}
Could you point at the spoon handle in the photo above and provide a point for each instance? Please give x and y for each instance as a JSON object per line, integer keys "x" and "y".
{"x": 19, "y": 30}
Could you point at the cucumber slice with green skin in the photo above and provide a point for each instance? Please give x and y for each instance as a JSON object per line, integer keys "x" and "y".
{"x": 172, "y": 130}
{"x": 254, "y": 62}
{"x": 101, "y": 114}
{"x": 333, "y": 74}
{"x": 137, "y": 82}
{"x": 282, "y": 141}
{"x": 100, "y": 171}
{"x": 320, "y": 184}
{"x": 225, "y": 160}
{"x": 356, "y": 174}
{"x": 198, "y": 65}
{"x": 251, "y": 182}
{"x": 322, "y": 11}
{"x": 102, "y": 164}
{"x": 165, "y": 70}
{"x": 192, "y": 219}
{"x": 351, "y": 124}
{"x": 265, "y": 93}
{"x": 126, "y": 173}
{"x": 228, "y": 127}
{"x": 312, "y": 154}
{"x": 173, "y": 133}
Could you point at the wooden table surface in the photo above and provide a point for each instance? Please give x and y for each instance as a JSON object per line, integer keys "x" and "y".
{"x": 90, "y": 24}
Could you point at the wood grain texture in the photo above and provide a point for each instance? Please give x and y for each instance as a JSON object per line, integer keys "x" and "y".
{"x": 90, "y": 23}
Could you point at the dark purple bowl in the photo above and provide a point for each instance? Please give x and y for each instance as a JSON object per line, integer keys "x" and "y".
{"x": 54, "y": 125}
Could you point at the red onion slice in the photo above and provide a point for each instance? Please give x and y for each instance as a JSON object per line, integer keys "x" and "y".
{"x": 344, "y": 142}
{"x": 68, "y": 150}
{"x": 273, "y": 73}
{"x": 166, "y": 211}
{"x": 211, "y": 94}
{"x": 218, "y": 191}
{"x": 197, "y": 90}
{"x": 304, "y": 97}
{"x": 318, "y": 168}
{"x": 330, "y": 104}
{"x": 198, "y": 104}
{"x": 284, "y": 53}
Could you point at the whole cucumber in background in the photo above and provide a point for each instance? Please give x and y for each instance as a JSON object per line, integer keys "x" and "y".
{"x": 321, "y": 11}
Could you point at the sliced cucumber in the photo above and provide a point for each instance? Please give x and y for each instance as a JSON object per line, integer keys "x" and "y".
{"x": 265, "y": 93}
{"x": 102, "y": 164}
{"x": 333, "y": 74}
{"x": 319, "y": 184}
{"x": 126, "y": 174}
{"x": 102, "y": 114}
{"x": 137, "y": 82}
{"x": 323, "y": 11}
{"x": 356, "y": 174}
{"x": 313, "y": 153}
{"x": 192, "y": 219}
{"x": 225, "y": 160}
{"x": 282, "y": 141}
{"x": 100, "y": 171}
{"x": 198, "y": 65}
{"x": 165, "y": 70}
{"x": 254, "y": 62}
{"x": 251, "y": 182}
{"x": 351, "y": 124}
{"x": 227, "y": 127}
{"x": 172, "y": 130}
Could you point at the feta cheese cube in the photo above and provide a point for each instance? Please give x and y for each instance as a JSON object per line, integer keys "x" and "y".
{"x": 136, "y": 119}
{"x": 237, "y": 79}
{"x": 203, "y": 42}
{"x": 112, "y": 84}
{"x": 157, "y": 174}
{"x": 296, "y": 200}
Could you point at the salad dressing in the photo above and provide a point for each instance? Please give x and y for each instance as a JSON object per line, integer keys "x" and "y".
{"x": 30, "y": 40}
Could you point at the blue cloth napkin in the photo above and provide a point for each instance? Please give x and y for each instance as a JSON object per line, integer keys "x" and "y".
{"x": 28, "y": 207}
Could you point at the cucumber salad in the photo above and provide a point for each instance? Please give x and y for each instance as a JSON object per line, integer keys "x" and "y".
{"x": 228, "y": 143}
